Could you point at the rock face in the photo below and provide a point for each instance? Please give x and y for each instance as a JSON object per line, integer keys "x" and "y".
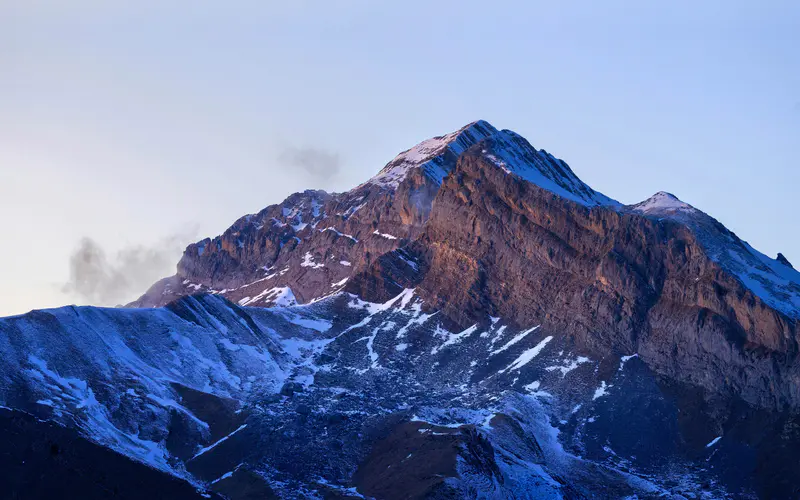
{"x": 660, "y": 278}
{"x": 615, "y": 279}
{"x": 314, "y": 241}
{"x": 472, "y": 322}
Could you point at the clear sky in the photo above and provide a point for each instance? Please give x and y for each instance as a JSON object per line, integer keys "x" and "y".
{"x": 144, "y": 125}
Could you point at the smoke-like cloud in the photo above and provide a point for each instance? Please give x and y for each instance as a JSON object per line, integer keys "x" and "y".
{"x": 98, "y": 279}
{"x": 318, "y": 163}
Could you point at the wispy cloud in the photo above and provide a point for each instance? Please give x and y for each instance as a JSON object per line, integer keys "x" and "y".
{"x": 102, "y": 279}
{"x": 317, "y": 163}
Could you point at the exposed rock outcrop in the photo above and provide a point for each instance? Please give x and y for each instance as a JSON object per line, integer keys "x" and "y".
{"x": 617, "y": 279}
{"x": 485, "y": 225}
{"x": 314, "y": 241}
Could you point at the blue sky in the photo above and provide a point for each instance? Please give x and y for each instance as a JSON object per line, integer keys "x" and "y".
{"x": 135, "y": 122}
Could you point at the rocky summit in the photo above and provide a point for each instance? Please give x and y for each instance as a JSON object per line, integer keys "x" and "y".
{"x": 472, "y": 322}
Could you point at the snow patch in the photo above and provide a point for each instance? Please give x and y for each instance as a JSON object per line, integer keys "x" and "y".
{"x": 384, "y": 235}
{"x": 428, "y": 154}
{"x": 662, "y": 202}
{"x": 515, "y": 156}
{"x": 625, "y": 359}
{"x": 308, "y": 261}
{"x": 339, "y": 283}
{"x": 334, "y": 230}
{"x": 514, "y": 340}
{"x": 601, "y": 391}
{"x": 528, "y": 355}
{"x": 569, "y": 366}
{"x": 280, "y": 296}
{"x": 215, "y": 444}
{"x": 452, "y": 338}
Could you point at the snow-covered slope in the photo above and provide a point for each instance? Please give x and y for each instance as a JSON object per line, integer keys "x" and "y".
{"x": 774, "y": 282}
{"x": 491, "y": 410}
{"x": 429, "y": 154}
{"x": 117, "y": 374}
{"x": 349, "y": 397}
{"x": 508, "y": 150}
{"x": 663, "y": 204}
{"x": 516, "y": 156}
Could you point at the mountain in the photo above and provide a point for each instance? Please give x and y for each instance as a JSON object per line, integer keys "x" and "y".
{"x": 309, "y": 245}
{"x": 694, "y": 300}
{"x": 472, "y": 322}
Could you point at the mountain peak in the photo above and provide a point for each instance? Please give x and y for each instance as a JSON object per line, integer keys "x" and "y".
{"x": 429, "y": 155}
{"x": 662, "y": 203}
{"x": 775, "y": 282}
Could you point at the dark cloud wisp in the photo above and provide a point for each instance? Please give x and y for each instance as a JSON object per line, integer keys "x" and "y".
{"x": 99, "y": 279}
{"x": 317, "y": 163}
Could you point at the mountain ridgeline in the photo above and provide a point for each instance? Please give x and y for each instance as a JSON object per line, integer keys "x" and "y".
{"x": 502, "y": 229}
{"x": 472, "y": 322}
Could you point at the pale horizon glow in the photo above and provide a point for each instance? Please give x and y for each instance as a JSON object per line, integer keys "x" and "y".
{"x": 136, "y": 123}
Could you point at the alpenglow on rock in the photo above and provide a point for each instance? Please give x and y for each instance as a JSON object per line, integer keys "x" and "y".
{"x": 475, "y": 321}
